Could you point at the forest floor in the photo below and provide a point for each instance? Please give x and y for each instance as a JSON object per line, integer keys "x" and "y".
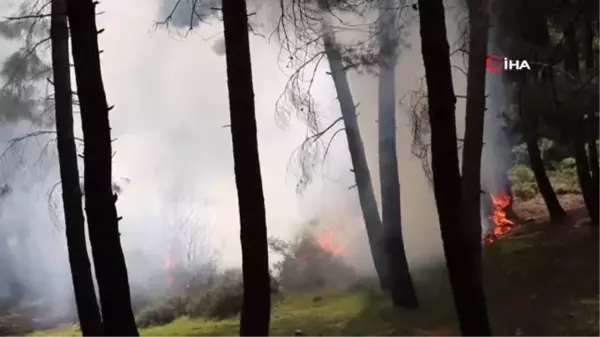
{"x": 541, "y": 279}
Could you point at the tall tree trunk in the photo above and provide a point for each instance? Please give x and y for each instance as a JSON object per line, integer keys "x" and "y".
{"x": 256, "y": 307}
{"x": 539, "y": 171}
{"x": 588, "y": 43}
{"x": 531, "y": 118}
{"x": 592, "y": 120}
{"x": 356, "y": 148}
{"x": 535, "y": 158}
{"x": 81, "y": 271}
{"x": 592, "y": 137}
{"x": 571, "y": 49}
{"x": 590, "y": 195}
{"x": 461, "y": 247}
{"x": 474, "y": 116}
{"x": 109, "y": 262}
{"x": 400, "y": 281}
{"x": 589, "y": 192}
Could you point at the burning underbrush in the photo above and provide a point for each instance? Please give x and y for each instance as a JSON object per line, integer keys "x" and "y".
{"x": 311, "y": 261}
{"x": 499, "y": 217}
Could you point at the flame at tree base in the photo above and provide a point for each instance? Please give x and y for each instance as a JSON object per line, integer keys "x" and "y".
{"x": 502, "y": 224}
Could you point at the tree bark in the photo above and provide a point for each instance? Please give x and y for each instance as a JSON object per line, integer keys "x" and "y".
{"x": 474, "y": 116}
{"x": 539, "y": 171}
{"x": 81, "y": 271}
{"x": 590, "y": 195}
{"x": 588, "y": 43}
{"x": 358, "y": 158}
{"x": 571, "y": 50}
{"x": 109, "y": 262}
{"x": 592, "y": 137}
{"x": 256, "y": 307}
{"x": 536, "y": 163}
{"x": 461, "y": 247}
{"x": 400, "y": 281}
{"x": 592, "y": 121}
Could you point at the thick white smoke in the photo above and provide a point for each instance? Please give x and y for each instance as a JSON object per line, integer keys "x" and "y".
{"x": 173, "y": 153}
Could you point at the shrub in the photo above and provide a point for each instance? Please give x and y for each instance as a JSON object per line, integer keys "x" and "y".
{"x": 525, "y": 190}
{"x": 162, "y": 312}
{"x": 306, "y": 265}
{"x": 523, "y": 181}
{"x": 519, "y": 154}
{"x": 567, "y": 164}
{"x": 140, "y": 299}
{"x": 521, "y": 174}
{"x": 565, "y": 180}
{"x": 222, "y": 300}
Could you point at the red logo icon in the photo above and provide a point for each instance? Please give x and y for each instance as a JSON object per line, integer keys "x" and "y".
{"x": 494, "y": 63}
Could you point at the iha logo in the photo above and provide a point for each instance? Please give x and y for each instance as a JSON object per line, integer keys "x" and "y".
{"x": 496, "y": 63}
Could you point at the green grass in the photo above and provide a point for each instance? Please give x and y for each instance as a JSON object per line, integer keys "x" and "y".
{"x": 543, "y": 281}
{"x": 358, "y": 311}
{"x": 337, "y": 313}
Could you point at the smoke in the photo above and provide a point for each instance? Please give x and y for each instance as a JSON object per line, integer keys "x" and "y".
{"x": 219, "y": 47}
{"x": 187, "y": 13}
{"x": 173, "y": 152}
{"x": 419, "y": 214}
{"x": 497, "y": 147}
{"x": 32, "y": 249}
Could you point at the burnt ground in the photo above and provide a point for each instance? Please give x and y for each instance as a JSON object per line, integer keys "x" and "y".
{"x": 542, "y": 278}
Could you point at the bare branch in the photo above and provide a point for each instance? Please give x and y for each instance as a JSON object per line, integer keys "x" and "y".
{"x": 26, "y": 17}
{"x": 331, "y": 141}
{"x": 419, "y": 120}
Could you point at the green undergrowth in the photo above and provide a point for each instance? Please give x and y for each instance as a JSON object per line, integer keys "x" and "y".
{"x": 540, "y": 282}
{"x": 562, "y": 176}
{"x": 360, "y": 311}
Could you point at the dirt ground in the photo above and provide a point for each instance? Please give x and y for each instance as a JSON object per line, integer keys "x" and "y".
{"x": 534, "y": 210}
{"x": 542, "y": 277}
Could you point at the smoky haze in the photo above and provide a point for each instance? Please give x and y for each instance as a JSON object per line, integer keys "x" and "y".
{"x": 174, "y": 157}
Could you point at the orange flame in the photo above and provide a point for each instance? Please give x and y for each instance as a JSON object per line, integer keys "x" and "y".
{"x": 502, "y": 224}
{"x": 327, "y": 241}
{"x": 170, "y": 263}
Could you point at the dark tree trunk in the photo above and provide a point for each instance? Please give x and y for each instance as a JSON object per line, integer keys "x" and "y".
{"x": 571, "y": 50}
{"x": 592, "y": 129}
{"x": 109, "y": 262}
{"x": 592, "y": 137}
{"x": 475, "y": 112}
{"x": 535, "y": 159}
{"x": 356, "y": 148}
{"x": 589, "y": 43}
{"x": 461, "y": 246}
{"x": 592, "y": 120}
{"x": 590, "y": 195}
{"x": 256, "y": 307}
{"x": 539, "y": 171}
{"x": 81, "y": 271}
{"x": 400, "y": 281}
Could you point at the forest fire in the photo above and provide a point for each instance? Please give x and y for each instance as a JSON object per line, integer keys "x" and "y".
{"x": 502, "y": 224}
{"x": 327, "y": 241}
{"x": 170, "y": 264}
